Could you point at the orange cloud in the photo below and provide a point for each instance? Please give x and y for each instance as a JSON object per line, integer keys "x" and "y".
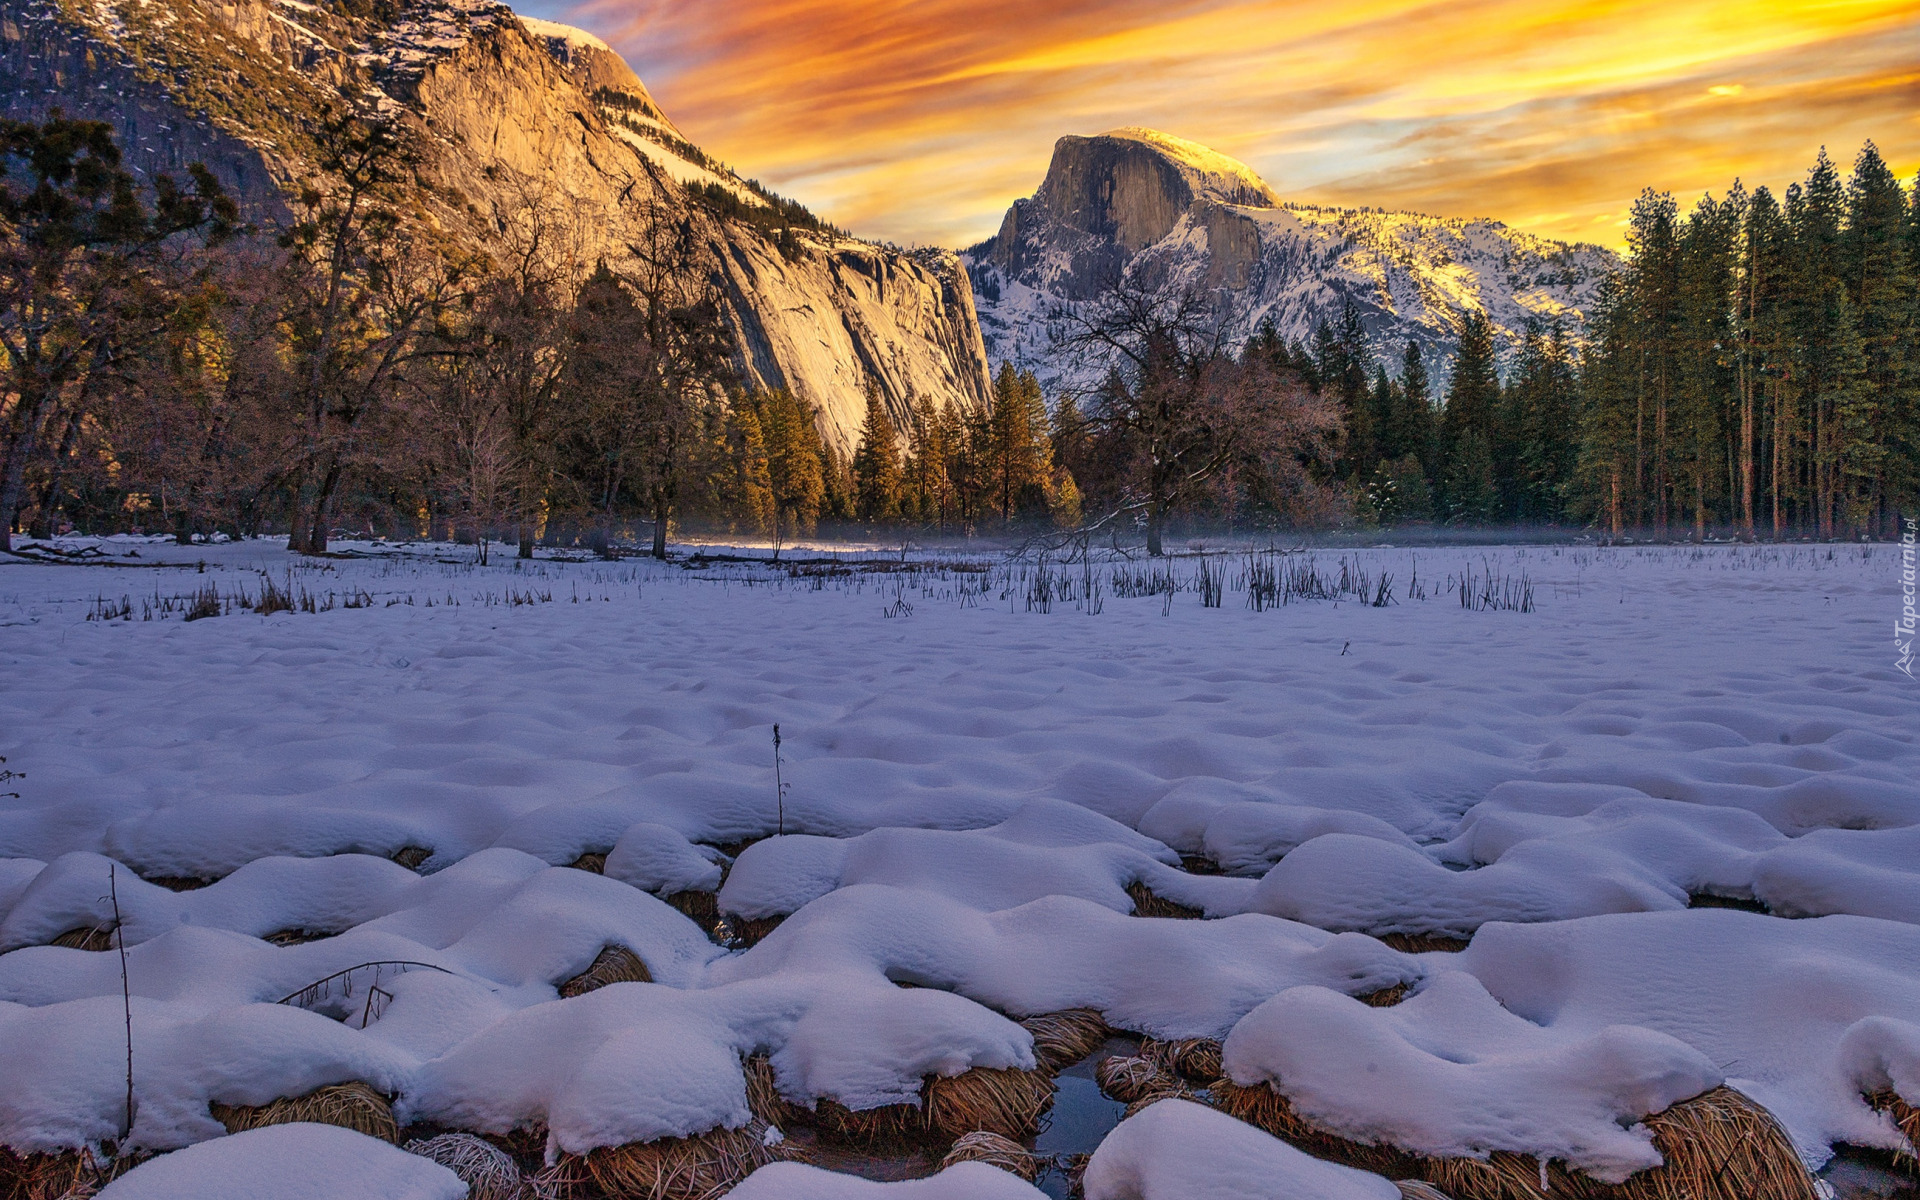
{"x": 921, "y": 120}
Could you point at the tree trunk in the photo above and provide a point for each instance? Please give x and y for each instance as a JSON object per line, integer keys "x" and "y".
{"x": 526, "y": 539}
{"x": 32, "y": 414}
{"x": 50, "y": 495}
{"x": 1156, "y": 522}
{"x": 317, "y": 528}
{"x": 1746, "y": 456}
{"x": 662, "y": 512}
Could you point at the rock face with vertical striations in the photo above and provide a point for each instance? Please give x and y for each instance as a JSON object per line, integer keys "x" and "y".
{"x": 1169, "y": 215}
{"x": 504, "y": 108}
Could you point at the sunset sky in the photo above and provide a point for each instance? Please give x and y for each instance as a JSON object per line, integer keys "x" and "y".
{"x": 921, "y": 120}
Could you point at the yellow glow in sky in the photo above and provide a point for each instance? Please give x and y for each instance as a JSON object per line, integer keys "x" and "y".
{"x": 921, "y": 120}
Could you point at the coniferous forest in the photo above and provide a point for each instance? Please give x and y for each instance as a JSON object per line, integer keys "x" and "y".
{"x": 1752, "y": 371}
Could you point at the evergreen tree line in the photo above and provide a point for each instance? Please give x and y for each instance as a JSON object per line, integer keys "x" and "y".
{"x": 1753, "y": 370}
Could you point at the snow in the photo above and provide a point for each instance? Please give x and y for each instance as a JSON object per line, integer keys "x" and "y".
{"x": 573, "y": 37}
{"x": 962, "y": 1181}
{"x": 289, "y": 1162}
{"x": 1449, "y": 1073}
{"x": 1220, "y": 175}
{"x": 972, "y": 789}
{"x": 1176, "y": 1150}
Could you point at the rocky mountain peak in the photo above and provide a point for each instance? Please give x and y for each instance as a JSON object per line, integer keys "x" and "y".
{"x": 1161, "y": 213}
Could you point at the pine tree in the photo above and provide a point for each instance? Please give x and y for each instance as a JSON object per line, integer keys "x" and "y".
{"x": 1020, "y": 450}
{"x": 1472, "y": 399}
{"x": 876, "y": 464}
{"x": 797, "y": 463}
{"x": 1880, "y": 280}
{"x": 1414, "y": 429}
{"x": 751, "y": 490}
{"x": 1653, "y": 284}
{"x": 1471, "y": 498}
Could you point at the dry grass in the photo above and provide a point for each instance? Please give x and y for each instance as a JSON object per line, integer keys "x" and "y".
{"x": 763, "y": 1094}
{"x": 294, "y": 937}
{"x": 70, "y": 1175}
{"x": 411, "y": 857}
{"x": 996, "y": 1151}
{"x": 1386, "y": 997}
{"x": 1717, "y": 1146}
{"x": 1721, "y": 1146}
{"x": 352, "y": 1106}
{"x": 591, "y": 861}
{"x": 690, "y": 1168}
{"x": 1128, "y": 1078}
{"x": 488, "y": 1171}
{"x": 1421, "y": 943}
{"x": 1008, "y": 1102}
{"x": 1177, "y": 1092}
{"x": 95, "y": 937}
{"x": 1907, "y": 1117}
{"x": 1061, "y": 1039}
{"x": 1267, "y": 1109}
{"x": 702, "y": 908}
{"x": 614, "y": 964}
{"x": 1193, "y": 1059}
{"x": 177, "y": 883}
{"x": 1147, "y": 904}
{"x": 751, "y": 932}
{"x": 1416, "y": 1189}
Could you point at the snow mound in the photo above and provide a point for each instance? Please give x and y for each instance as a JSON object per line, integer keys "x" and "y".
{"x": 1048, "y": 848}
{"x": 289, "y": 1162}
{"x": 1178, "y": 1150}
{"x": 1799, "y": 1015}
{"x": 1451, "y": 1074}
{"x": 962, "y": 1181}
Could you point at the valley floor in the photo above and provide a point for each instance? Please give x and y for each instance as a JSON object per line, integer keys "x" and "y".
{"x": 1671, "y": 810}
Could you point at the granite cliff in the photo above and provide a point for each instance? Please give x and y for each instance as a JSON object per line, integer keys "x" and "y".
{"x": 503, "y": 108}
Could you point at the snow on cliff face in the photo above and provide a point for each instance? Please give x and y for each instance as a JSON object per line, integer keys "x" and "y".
{"x": 1144, "y": 208}
{"x": 504, "y": 108}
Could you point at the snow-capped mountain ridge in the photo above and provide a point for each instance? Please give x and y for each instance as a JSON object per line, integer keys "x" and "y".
{"x": 1160, "y": 212}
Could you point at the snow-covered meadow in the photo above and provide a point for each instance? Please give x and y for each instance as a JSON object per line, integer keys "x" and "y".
{"x": 985, "y": 772}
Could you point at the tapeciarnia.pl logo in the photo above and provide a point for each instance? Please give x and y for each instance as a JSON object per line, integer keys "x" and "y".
{"x": 1903, "y": 628}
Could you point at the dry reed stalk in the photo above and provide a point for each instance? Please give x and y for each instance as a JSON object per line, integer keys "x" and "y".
{"x": 1267, "y": 1109}
{"x": 1416, "y": 1189}
{"x": 96, "y": 937}
{"x": 1195, "y": 1059}
{"x": 352, "y": 1106}
{"x": 1717, "y": 1146}
{"x": 1061, "y": 1039}
{"x": 763, "y": 1094}
{"x": 1007, "y": 1101}
{"x": 996, "y": 1151}
{"x": 294, "y": 937}
{"x": 614, "y": 964}
{"x": 1421, "y": 943}
{"x": 1128, "y": 1078}
{"x": 1147, "y": 904}
{"x": 1154, "y": 1096}
{"x": 702, "y": 908}
{"x": 411, "y": 857}
{"x": 488, "y": 1171}
{"x": 1907, "y": 1118}
{"x": 690, "y": 1168}
{"x": 680, "y": 1168}
{"x": 752, "y": 931}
